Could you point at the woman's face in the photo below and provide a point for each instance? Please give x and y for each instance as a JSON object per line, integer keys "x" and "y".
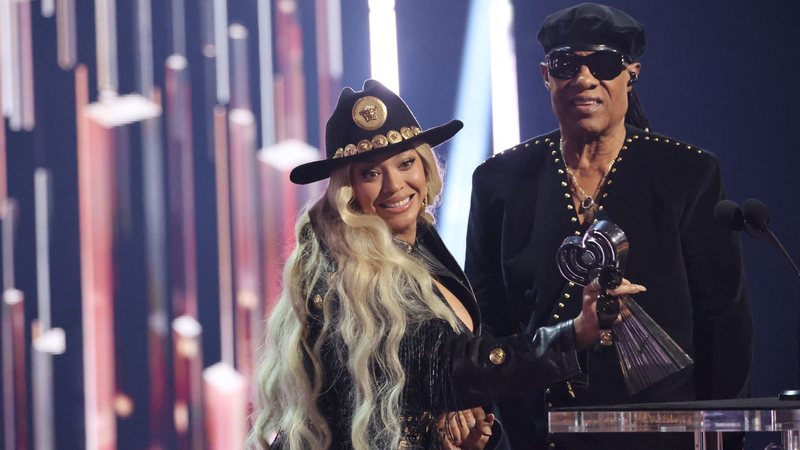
{"x": 588, "y": 105}
{"x": 393, "y": 189}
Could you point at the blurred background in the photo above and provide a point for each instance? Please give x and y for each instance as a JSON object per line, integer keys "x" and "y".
{"x": 144, "y": 194}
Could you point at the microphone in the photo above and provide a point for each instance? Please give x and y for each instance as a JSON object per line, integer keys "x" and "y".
{"x": 752, "y": 217}
{"x": 730, "y": 214}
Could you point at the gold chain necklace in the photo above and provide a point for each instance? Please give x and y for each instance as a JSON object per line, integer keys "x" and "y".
{"x": 587, "y": 201}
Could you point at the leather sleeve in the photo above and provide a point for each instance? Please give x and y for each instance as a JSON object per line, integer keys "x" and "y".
{"x": 485, "y": 369}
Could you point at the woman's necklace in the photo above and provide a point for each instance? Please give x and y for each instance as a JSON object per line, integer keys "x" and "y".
{"x": 587, "y": 202}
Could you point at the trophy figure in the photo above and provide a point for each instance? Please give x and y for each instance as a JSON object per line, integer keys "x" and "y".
{"x": 647, "y": 354}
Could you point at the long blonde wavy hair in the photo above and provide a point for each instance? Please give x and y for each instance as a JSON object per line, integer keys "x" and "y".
{"x": 382, "y": 293}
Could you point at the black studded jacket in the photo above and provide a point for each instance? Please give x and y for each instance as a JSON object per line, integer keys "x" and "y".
{"x": 662, "y": 193}
{"x": 445, "y": 371}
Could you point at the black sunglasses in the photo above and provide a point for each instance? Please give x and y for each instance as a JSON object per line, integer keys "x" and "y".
{"x": 604, "y": 63}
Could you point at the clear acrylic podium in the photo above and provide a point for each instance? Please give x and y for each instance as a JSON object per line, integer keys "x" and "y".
{"x": 700, "y": 418}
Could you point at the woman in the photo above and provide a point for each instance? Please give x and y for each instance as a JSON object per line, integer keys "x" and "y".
{"x": 377, "y": 332}
{"x": 603, "y": 163}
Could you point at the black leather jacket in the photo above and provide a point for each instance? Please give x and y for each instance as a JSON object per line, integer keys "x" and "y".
{"x": 446, "y": 370}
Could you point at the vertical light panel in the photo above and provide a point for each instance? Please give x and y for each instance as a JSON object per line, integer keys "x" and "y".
{"x": 3, "y": 161}
{"x": 97, "y": 182}
{"x": 178, "y": 27}
{"x": 41, "y": 184}
{"x": 187, "y": 412}
{"x": 155, "y": 245}
{"x": 290, "y": 114}
{"x": 45, "y": 345}
{"x": 282, "y": 200}
{"x": 183, "y": 244}
{"x": 240, "y": 67}
{"x": 157, "y": 281}
{"x": 226, "y": 407}
{"x": 144, "y": 47}
{"x": 47, "y": 341}
{"x": 48, "y": 8}
{"x": 383, "y": 43}
{"x": 503, "y": 64}
{"x": 27, "y": 103}
{"x": 14, "y": 372}
{"x": 265, "y": 77}
{"x": 67, "y": 34}
{"x": 221, "y": 50}
{"x": 473, "y": 106}
{"x": 246, "y": 238}
{"x": 329, "y": 58}
{"x": 106, "y": 42}
{"x": 13, "y": 422}
{"x": 9, "y": 55}
{"x": 221, "y": 170}
{"x": 95, "y": 170}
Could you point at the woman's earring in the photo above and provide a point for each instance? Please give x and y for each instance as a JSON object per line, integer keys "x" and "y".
{"x": 425, "y": 202}
{"x": 547, "y": 84}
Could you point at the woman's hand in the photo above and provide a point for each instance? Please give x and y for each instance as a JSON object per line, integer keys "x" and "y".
{"x": 587, "y": 327}
{"x": 469, "y": 429}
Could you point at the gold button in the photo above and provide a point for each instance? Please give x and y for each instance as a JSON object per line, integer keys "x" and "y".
{"x": 574, "y": 219}
{"x": 578, "y": 233}
{"x": 655, "y": 139}
{"x": 547, "y": 139}
{"x": 628, "y": 140}
{"x": 567, "y": 195}
{"x": 547, "y": 391}
{"x": 552, "y": 445}
{"x": 549, "y": 405}
{"x": 560, "y": 305}
{"x": 566, "y": 295}
{"x": 554, "y": 152}
{"x": 564, "y": 184}
{"x": 556, "y": 316}
{"x": 571, "y": 284}
{"x": 536, "y": 142}
{"x": 561, "y": 172}
{"x": 497, "y": 356}
{"x": 570, "y": 207}
{"x": 317, "y": 301}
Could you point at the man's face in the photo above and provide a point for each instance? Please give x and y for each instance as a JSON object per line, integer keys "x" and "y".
{"x": 586, "y": 104}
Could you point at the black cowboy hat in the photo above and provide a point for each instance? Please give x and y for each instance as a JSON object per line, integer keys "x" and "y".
{"x": 372, "y": 122}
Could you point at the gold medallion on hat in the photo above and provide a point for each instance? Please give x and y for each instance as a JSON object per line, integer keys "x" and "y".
{"x": 394, "y": 136}
{"x": 369, "y": 113}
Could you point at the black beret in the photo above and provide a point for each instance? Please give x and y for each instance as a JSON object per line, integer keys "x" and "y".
{"x": 590, "y": 24}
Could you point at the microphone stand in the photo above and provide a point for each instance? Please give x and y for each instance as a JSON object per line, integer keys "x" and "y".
{"x": 789, "y": 394}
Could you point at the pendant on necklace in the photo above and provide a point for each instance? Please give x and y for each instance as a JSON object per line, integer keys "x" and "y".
{"x": 587, "y": 203}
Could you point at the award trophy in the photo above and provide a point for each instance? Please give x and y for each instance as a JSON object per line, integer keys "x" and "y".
{"x": 647, "y": 354}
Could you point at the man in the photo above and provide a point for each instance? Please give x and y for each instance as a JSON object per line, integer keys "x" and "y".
{"x": 604, "y": 163}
